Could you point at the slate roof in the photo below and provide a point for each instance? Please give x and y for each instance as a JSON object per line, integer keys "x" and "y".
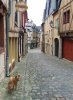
{"x": 50, "y": 7}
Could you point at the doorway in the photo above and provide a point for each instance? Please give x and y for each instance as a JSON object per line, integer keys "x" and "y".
{"x": 56, "y": 47}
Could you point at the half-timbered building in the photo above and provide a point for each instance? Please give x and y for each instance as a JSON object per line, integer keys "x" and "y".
{"x": 66, "y": 28}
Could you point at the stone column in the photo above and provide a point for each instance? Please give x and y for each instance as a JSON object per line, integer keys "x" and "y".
{"x": 60, "y": 48}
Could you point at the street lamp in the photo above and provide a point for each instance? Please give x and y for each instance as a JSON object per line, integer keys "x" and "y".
{"x": 56, "y": 24}
{"x": 52, "y": 24}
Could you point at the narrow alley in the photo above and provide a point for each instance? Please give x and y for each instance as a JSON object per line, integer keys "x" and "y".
{"x": 42, "y": 78}
{"x": 36, "y": 50}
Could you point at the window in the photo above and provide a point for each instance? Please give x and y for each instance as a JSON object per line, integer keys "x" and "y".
{"x": 66, "y": 17}
{"x": 16, "y": 17}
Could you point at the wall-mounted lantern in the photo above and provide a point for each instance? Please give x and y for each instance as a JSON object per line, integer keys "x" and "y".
{"x": 51, "y": 24}
{"x": 56, "y": 26}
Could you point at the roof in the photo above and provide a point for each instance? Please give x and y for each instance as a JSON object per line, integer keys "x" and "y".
{"x": 51, "y": 7}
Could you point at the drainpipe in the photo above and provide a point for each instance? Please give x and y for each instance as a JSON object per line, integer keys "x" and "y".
{"x": 7, "y": 43}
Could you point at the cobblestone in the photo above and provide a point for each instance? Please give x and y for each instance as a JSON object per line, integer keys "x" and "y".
{"x": 42, "y": 78}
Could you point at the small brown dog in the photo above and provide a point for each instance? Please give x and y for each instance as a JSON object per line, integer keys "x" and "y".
{"x": 12, "y": 84}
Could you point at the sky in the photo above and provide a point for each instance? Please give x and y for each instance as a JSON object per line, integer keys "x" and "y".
{"x": 35, "y": 10}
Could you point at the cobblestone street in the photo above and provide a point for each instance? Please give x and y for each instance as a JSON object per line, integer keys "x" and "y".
{"x": 42, "y": 78}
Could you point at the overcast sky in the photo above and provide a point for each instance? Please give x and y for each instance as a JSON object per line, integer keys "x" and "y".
{"x": 35, "y": 10}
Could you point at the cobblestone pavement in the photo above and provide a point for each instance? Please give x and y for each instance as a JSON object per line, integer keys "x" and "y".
{"x": 42, "y": 78}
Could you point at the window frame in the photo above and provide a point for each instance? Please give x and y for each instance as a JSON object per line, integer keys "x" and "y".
{"x": 66, "y": 17}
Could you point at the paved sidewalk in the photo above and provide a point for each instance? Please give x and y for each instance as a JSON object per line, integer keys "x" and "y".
{"x": 42, "y": 78}
{"x": 17, "y": 94}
